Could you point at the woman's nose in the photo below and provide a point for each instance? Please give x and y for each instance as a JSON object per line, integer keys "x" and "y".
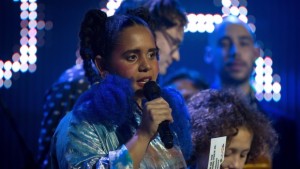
{"x": 144, "y": 65}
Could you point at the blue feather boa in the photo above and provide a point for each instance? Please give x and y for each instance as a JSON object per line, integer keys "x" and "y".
{"x": 110, "y": 103}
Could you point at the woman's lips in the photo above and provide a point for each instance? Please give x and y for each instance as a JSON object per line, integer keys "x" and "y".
{"x": 141, "y": 82}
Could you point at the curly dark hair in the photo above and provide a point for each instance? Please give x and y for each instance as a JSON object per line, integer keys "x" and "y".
{"x": 99, "y": 33}
{"x": 220, "y": 113}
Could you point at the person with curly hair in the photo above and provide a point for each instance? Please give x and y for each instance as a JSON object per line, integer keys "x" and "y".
{"x": 111, "y": 126}
{"x": 222, "y": 113}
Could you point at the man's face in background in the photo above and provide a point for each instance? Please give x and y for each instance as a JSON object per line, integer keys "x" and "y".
{"x": 168, "y": 41}
{"x": 234, "y": 53}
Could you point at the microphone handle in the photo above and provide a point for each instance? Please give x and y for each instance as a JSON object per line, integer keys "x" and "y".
{"x": 165, "y": 134}
{"x": 152, "y": 91}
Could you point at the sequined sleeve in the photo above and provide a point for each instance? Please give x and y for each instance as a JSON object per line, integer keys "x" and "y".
{"x": 82, "y": 145}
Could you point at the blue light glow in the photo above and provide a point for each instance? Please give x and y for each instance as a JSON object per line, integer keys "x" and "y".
{"x": 7, "y": 65}
{"x": 28, "y": 42}
{"x": 276, "y": 97}
{"x": 234, "y": 11}
{"x": 276, "y": 87}
{"x": 7, "y": 83}
{"x": 16, "y": 66}
{"x": 268, "y": 96}
{"x": 1, "y": 74}
{"x": 7, "y": 74}
{"x": 226, "y": 3}
{"x": 264, "y": 83}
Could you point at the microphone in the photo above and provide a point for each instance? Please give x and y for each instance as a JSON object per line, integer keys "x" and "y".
{"x": 152, "y": 91}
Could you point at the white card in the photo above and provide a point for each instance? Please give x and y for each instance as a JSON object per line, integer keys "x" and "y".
{"x": 217, "y": 152}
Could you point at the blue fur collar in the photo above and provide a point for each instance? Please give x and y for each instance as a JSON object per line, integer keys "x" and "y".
{"x": 110, "y": 103}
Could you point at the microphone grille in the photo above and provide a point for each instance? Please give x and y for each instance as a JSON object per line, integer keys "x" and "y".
{"x": 151, "y": 90}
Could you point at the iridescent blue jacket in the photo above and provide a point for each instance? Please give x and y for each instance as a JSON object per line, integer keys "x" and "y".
{"x": 104, "y": 119}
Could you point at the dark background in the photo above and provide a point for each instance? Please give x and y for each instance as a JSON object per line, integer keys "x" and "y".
{"x": 277, "y": 28}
